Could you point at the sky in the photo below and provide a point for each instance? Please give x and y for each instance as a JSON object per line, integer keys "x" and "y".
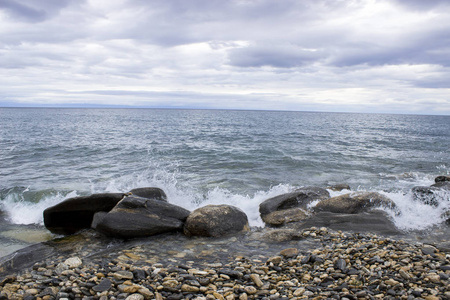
{"x": 387, "y": 56}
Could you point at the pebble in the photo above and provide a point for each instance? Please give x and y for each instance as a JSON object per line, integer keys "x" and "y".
{"x": 339, "y": 266}
{"x": 73, "y": 262}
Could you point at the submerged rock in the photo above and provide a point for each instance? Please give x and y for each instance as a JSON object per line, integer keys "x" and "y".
{"x": 297, "y": 199}
{"x": 77, "y": 213}
{"x": 215, "y": 221}
{"x": 353, "y": 203}
{"x": 139, "y": 217}
{"x": 281, "y": 217}
{"x": 373, "y": 221}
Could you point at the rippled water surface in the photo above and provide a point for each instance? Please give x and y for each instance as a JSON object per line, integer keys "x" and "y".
{"x": 210, "y": 156}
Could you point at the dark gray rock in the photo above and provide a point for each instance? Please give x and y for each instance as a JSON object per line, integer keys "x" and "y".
{"x": 434, "y": 194}
{"x": 297, "y": 199}
{"x": 104, "y": 285}
{"x": 442, "y": 179}
{"x": 77, "y": 213}
{"x": 98, "y": 217}
{"x": 281, "y": 217}
{"x": 150, "y": 193}
{"x": 353, "y": 203}
{"x": 339, "y": 187}
{"x": 139, "y": 217}
{"x": 215, "y": 221}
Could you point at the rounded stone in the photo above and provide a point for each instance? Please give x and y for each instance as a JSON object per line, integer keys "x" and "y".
{"x": 215, "y": 221}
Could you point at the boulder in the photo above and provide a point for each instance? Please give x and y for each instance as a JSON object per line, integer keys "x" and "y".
{"x": 139, "y": 217}
{"x": 434, "y": 194}
{"x": 353, "y": 203}
{"x": 149, "y": 192}
{"x": 281, "y": 217}
{"x": 77, "y": 213}
{"x": 299, "y": 198}
{"x": 215, "y": 221}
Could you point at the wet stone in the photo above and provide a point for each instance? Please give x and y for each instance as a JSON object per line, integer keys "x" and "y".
{"x": 339, "y": 265}
{"x": 104, "y": 285}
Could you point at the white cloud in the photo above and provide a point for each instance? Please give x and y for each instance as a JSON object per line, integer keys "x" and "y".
{"x": 302, "y": 55}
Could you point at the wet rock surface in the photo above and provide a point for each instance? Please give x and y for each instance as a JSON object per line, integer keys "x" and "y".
{"x": 137, "y": 216}
{"x": 355, "y": 202}
{"x": 297, "y": 199}
{"x": 216, "y": 221}
{"x": 319, "y": 264}
{"x": 150, "y": 193}
{"x": 77, "y": 213}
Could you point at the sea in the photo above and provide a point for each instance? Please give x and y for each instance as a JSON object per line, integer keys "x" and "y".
{"x": 201, "y": 157}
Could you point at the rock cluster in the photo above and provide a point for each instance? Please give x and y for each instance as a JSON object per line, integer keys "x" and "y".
{"x": 141, "y": 212}
{"x": 345, "y": 266}
{"x": 312, "y": 202}
{"x": 145, "y": 211}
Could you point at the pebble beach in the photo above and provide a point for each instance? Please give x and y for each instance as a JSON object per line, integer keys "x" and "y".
{"x": 318, "y": 263}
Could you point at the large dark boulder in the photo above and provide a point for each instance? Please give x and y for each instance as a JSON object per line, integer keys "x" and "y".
{"x": 77, "y": 213}
{"x": 216, "y": 221}
{"x": 353, "y": 203}
{"x": 139, "y": 217}
{"x": 297, "y": 199}
{"x": 432, "y": 195}
{"x": 150, "y": 193}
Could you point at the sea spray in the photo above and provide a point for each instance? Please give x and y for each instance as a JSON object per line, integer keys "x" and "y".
{"x": 416, "y": 215}
{"x": 21, "y": 211}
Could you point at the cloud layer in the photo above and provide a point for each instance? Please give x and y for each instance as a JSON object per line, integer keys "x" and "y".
{"x": 328, "y": 55}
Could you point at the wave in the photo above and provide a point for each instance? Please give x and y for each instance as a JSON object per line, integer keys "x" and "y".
{"x": 25, "y": 205}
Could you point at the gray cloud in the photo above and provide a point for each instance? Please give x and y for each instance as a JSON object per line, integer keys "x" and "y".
{"x": 423, "y": 5}
{"x": 288, "y": 54}
{"x": 33, "y": 11}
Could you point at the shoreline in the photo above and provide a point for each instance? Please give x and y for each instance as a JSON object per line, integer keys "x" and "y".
{"x": 318, "y": 263}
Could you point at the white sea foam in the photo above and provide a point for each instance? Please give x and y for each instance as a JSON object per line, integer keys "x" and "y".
{"x": 413, "y": 214}
{"x": 416, "y": 215}
{"x": 20, "y": 211}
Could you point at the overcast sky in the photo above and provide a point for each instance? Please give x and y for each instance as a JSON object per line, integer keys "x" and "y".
{"x": 315, "y": 55}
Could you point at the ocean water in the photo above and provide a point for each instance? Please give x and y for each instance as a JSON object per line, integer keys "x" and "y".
{"x": 201, "y": 157}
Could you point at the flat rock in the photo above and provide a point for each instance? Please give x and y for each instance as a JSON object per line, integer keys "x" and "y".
{"x": 281, "y": 217}
{"x": 139, "y": 217}
{"x": 297, "y": 199}
{"x": 353, "y": 203}
{"x": 374, "y": 221}
{"x": 215, "y": 221}
{"x": 149, "y": 193}
{"x": 104, "y": 285}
